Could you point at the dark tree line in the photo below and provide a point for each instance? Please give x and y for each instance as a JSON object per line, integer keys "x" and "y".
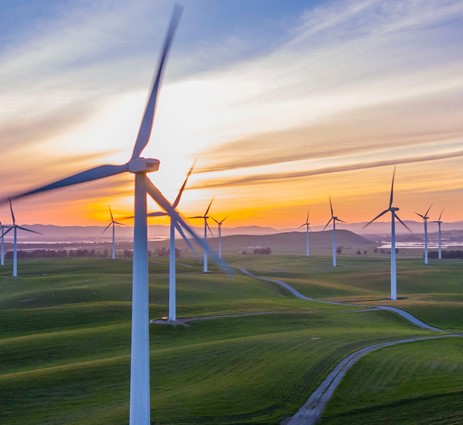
{"x": 447, "y": 254}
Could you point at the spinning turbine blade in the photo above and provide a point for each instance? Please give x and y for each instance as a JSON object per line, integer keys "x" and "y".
{"x": 403, "y": 224}
{"x": 111, "y": 214}
{"x": 328, "y": 223}
{"x": 177, "y": 199}
{"x": 208, "y": 228}
{"x": 12, "y": 213}
{"x": 440, "y": 216}
{"x": 107, "y": 227}
{"x": 376, "y": 218}
{"x": 85, "y": 176}
{"x": 422, "y": 216}
{"x": 224, "y": 219}
{"x": 331, "y": 208}
{"x": 215, "y": 220}
{"x": 159, "y": 198}
{"x": 146, "y": 125}
{"x": 120, "y": 224}
{"x": 208, "y": 208}
{"x": 28, "y": 230}
{"x": 392, "y": 189}
{"x": 187, "y": 241}
{"x": 341, "y": 221}
{"x": 307, "y": 219}
{"x": 157, "y": 214}
{"x": 6, "y": 231}
{"x": 426, "y": 213}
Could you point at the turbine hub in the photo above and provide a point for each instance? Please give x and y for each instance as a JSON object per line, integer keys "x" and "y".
{"x": 143, "y": 165}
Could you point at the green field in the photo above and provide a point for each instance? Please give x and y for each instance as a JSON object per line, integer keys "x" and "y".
{"x": 65, "y": 340}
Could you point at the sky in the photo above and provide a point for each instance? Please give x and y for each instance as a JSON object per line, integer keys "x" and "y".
{"x": 281, "y": 105}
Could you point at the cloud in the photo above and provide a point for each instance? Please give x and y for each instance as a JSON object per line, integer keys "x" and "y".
{"x": 273, "y": 177}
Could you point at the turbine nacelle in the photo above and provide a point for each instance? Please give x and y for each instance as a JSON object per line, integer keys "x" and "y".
{"x": 144, "y": 165}
{"x": 393, "y": 209}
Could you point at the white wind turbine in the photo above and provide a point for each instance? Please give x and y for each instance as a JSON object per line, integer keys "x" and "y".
{"x": 439, "y": 225}
{"x": 15, "y": 229}
{"x": 139, "y": 166}
{"x": 2, "y": 245}
{"x": 172, "y": 272}
{"x": 425, "y": 221}
{"x": 393, "y": 211}
{"x": 206, "y": 228}
{"x": 307, "y": 228}
{"x": 113, "y": 223}
{"x": 334, "y": 219}
{"x": 219, "y": 224}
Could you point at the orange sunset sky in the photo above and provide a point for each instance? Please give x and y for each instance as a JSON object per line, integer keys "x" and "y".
{"x": 281, "y": 105}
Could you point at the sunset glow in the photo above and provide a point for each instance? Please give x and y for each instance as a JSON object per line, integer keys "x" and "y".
{"x": 281, "y": 107}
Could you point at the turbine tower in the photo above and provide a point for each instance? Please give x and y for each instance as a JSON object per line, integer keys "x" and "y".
{"x": 425, "y": 221}
{"x": 206, "y": 228}
{"x": 172, "y": 268}
{"x": 393, "y": 211}
{"x": 307, "y": 226}
{"x": 439, "y": 224}
{"x": 112, "y": 223}
{"x": 219, "y": 224}
{"x": 334, "y": 219}
{"x": 2, "y": 245}
{"x": 139, "y": 166}
{"x": 15, "y": 228}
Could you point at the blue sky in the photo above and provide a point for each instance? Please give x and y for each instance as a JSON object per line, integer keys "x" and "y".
{"x": 282, "y": 103}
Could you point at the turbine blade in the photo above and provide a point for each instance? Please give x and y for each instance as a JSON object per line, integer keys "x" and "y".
{"x": 120, "y": 224}
{"x": 308, "y": 227}
{"x": 107, "y": 227}
{"x": 187, "y": 241}
{"x": 224, "y": 219}
{"x": 6, "y": 231}
{"x": 159, "y": 198}
{"x": 391, "y": 199}
{"x": 27, "y": 230}
{"x": 157, "y": 214}
{"x": 209, "y": 207}
{"x": 422, "y": 216}
{"x": 331, "y": 208}
{"x": 328, "y": 223}
{"x": 403, "y": 224}
{"x": 208, "y": 228}
{"x": 146, "y": 125}
{"x": 440, "y": 216}
{"x": 12, "y": 213}
{"x": 214, "y": 220}
{"x": 376, "y": 218}
{"x": 196, "y": 216}
{"x": 426, "y": 213}
{"x": 85, "y": 176}
{"x": 177, "y": 199}
{"x": 307, "y": 219}
{"x": 111, "y": 214}
{"x": 341, "y": 221}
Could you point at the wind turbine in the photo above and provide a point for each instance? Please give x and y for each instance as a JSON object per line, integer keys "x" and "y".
{"x": 334, "y": 219}
{"x": 307, "y": 226}
{"x": 113, "y": 224}
{"x": 393, "y": 211}
{"x": 139, "y": 166}
{"x": 425, "y": 221}
{"x": 206, "y": 228}
{"x": 439, "y": 224}
{"x": 15, "y": 228}
{"x": 172, "y": 271}
{"x": 2, "y": 245}
{"x": 219, "y": 224}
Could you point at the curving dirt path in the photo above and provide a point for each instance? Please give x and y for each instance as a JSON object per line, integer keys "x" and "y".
{"x": 404, "y": 314}
{"x": 312, "y": 409}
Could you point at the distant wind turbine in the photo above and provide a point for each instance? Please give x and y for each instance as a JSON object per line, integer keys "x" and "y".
{"x": 307, "y": 226}
{"x": 172, "y": 271}
{"x": 425, "y": 221}
{"x": 2, "y": 245}
{"x": 15, "y": 228}
{"x": 334, "y": 219}
{"x": 206, "y": 228}
{"x": 439, "y": 224}
{"x": 113, "y": 223}
{"x": 219, "y": 224}
{"x": 140, "y": 360}
{"x": 393, "y": 211}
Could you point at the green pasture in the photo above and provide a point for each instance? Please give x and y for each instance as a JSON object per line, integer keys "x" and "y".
{"x": 65, "y": 336}
{"x": 416, "y": 383}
